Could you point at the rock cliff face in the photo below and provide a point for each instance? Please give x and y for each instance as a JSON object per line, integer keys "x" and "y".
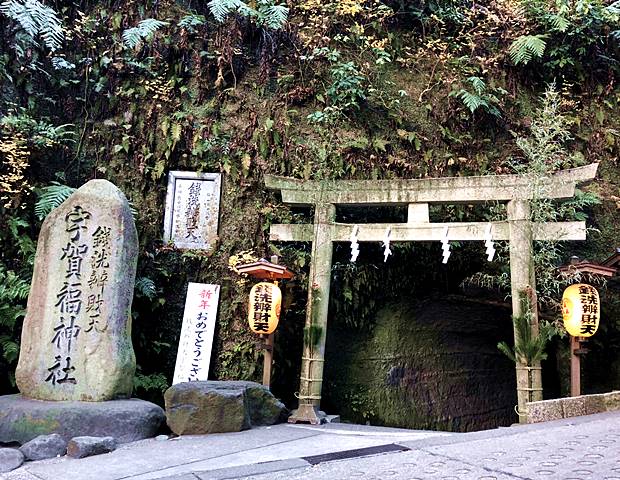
{"x": 428, "y": 364}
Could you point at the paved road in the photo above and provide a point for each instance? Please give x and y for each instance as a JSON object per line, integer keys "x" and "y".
{"x": 585, "y": 448}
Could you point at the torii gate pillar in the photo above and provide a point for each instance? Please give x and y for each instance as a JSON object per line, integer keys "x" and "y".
{"x": 315, "y": 330}
{"x": 523, "y": 287}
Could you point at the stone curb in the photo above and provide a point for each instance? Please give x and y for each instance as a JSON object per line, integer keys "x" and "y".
{"x": 559, "y": 408}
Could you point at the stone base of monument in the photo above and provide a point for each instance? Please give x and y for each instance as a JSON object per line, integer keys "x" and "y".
{"x": 22, "y": 419}
{"x": 197, "y": 408}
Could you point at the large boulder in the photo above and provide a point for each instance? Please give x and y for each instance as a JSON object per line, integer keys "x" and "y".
{"x": 44, "y": 446}
{"x": 76, "y": 337}
{"x": 22, "y": 419}
{"x": 194, "y": 408}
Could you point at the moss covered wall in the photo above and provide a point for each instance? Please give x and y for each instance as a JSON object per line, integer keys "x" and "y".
{"x": 429, "y": 364}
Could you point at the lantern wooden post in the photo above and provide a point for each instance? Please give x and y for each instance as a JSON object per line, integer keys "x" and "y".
{"x": 575, "y": 367}
{"x": 263, "y": 269}
{"x": 267, "y": 359}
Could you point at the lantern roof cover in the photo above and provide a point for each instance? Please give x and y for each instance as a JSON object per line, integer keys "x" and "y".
{"x": 613, "y": 260}
{"x": 586, "y": 266}
{"x": 266, "y": 269}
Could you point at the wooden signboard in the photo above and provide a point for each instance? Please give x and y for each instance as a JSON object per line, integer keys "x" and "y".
{"x": 192, "y": 209}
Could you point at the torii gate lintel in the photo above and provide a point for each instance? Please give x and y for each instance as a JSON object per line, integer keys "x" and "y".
{"x": 518, "y": 229}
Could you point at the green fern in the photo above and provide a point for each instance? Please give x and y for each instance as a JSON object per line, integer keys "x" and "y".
{"x": 51, "y": 197}
{"x": 526, "y": 48}
{"x": 267, "y": 14}
{"x": 190, "y": 22}
{"x": 145, "y": 30}
{"x": 479, "y": 98}
{"x": 559, "y": 22}
{"x": 273, "y": 16}
{"x": 146, "y": 287}
{"x": 37, "y": 20}
{"x": 9, "y": 347}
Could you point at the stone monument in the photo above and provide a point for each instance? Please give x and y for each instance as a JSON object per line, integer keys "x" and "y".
{"x": 76, "y": 338}
{"x": 76, "y": 353}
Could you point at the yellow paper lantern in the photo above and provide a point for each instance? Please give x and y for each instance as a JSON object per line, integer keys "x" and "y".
{"x": 581, "y": 310}
{"x": 265, "y": 305}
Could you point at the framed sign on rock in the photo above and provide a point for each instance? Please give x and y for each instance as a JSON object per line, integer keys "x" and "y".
{"x": 192, "y": 209}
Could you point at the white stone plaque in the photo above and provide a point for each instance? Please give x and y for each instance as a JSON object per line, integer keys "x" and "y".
{"x": 192, "y": 209}
{"x": 194, "y": 354}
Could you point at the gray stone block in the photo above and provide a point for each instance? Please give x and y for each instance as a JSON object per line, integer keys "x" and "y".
{"x": 612, "y": 401}
{"x": 44, "y": 446}
{"x": 544, "y": 411}
{"x": 80, "y": 447}
{"x": 574, "y": 406}
{"x": 10, "y": 459}
{"x": 595, "y": 404}
{"x": 22, "y": 419}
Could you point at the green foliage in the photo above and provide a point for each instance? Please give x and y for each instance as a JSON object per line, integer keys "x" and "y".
{"x": 146, "y": 287}
{"x": 51, "y": 197}
{"x": 13, "y": 293}
{"x": 479, "y": 97}
{"x": 267, "y": 14}
{"x": 526, "y": 48}
{"x": 144, "y": 31}
{"x": 37, "y": 20}
{"x": 190, "y": 22}
{"x": 346, "y": 91}
{"x": 529, "y": 347}
{"x": 576, "y": 36}
{"x": 41, "y": 133}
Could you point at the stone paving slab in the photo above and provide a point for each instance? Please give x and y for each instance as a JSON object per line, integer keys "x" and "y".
{"x": 412, "y": 465}
{"x": 588, "y": 449}
{"x": 151, "y": 456}
{"x": 585, "y": 448}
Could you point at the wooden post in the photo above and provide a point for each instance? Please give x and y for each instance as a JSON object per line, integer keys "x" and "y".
{"x": 575, "y": 367}
{"x": 312, "y": 360}
{"x": 523, "y": 282}
{"x": 267, "y": 359}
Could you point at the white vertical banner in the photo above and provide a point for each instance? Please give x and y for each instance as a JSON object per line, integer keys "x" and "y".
{"x": 194, "y": 354}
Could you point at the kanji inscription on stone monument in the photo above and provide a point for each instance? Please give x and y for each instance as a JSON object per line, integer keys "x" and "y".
{"x": 76, "y": 339}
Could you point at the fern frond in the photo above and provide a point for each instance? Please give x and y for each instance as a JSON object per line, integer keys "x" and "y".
{"x": 470, "y": 100}
{"x": 10, "y": 348}
{"x": 143, "y": 31}
{"x": 188, "y": 22}
{"x": 527, "y": 47}
{"x": 146, "y": 287}
{"x": 37, "y": 20}
{"x": 220, "y": 9}
{"x": 274, "y": 16}
{"x": 60, "y": 63}
{"x": 478, "y": 84}
{"x": 51, "y": 197}
{"x": 559, "y": 22}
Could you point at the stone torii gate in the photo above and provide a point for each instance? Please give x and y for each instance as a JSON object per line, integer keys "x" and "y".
{"x": 518, "y": 229}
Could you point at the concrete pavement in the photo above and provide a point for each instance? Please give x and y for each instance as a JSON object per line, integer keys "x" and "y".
{"x": 578, "y": 448}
